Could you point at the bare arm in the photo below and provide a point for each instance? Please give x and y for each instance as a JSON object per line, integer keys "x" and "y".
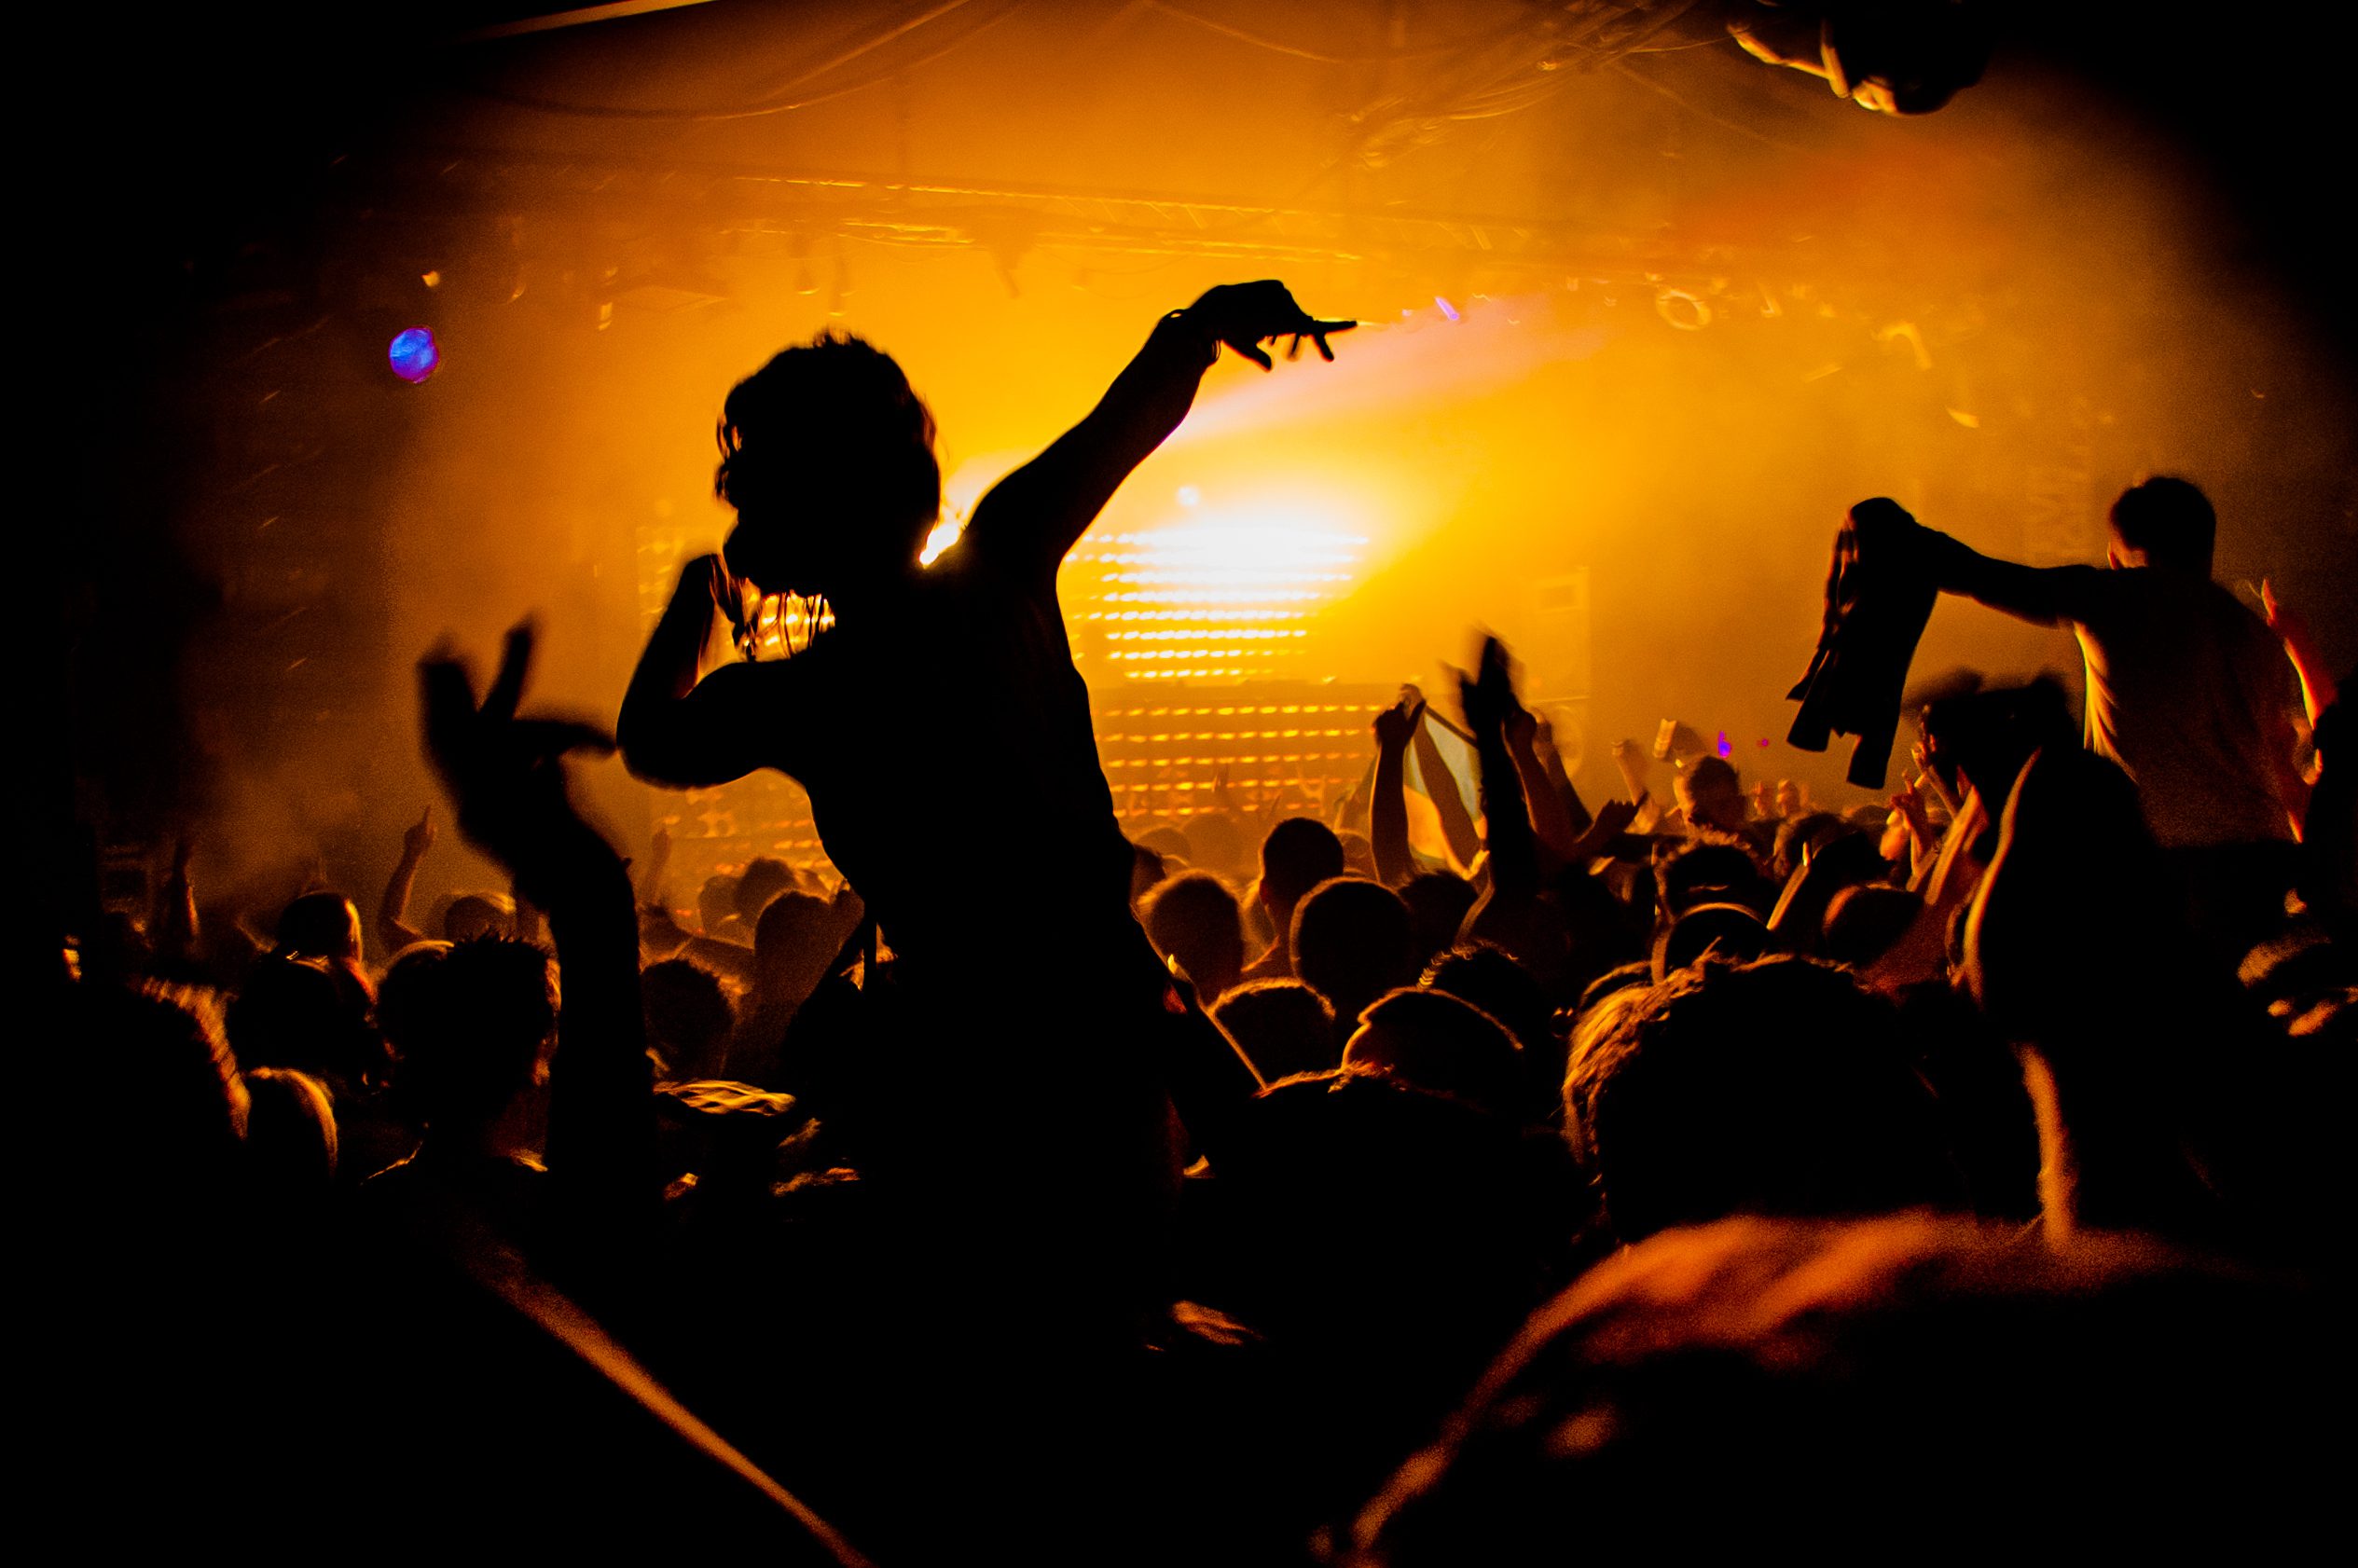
{"x": 174, "y": 920}
{"x": 2300, "y": 646}
{"x": 1507, "y": 832}
{"x": 1388, "y": 812}
{"x": 1550, "y": 821}
{"x": 1551, "y": 759}
{"x": 2043, "y": 596}
{"x": 393, "y": 930}
{"x": 679, "y": 726}
{"x": 1038, "y": 512}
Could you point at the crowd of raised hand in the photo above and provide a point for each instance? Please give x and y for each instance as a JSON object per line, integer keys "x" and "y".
{"x": 1880, "y": 1166}
{"x": 1693, "y": 1170}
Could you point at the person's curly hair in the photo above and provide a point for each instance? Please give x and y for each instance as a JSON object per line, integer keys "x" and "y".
{"x": 841, "y": 396}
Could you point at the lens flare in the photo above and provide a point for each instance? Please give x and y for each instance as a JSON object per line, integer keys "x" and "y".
{"x": 413, "y": 355}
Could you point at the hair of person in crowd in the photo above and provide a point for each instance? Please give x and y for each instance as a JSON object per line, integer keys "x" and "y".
{"x": 321, "y": 925}
{"x": 1283, "y": 1028}
{"x": 1445, "y": 1045}
{"x": 470, "y": 1023}
{"x": 1780, "y": 1086}
{"x": 1300, "y": 853}
{"x": 1768, "y": 1356}
{"x": 1193, "y": 921}
{"x": 2164, "y": 522}
{"x": 763, "y": 878}
{"x": 829, "y": 428}
{"x": 1438, "y": 903}
{"x": 1351, "y": 942}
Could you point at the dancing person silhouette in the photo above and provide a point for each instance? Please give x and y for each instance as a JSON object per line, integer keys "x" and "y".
{"x": 946, "y": 696}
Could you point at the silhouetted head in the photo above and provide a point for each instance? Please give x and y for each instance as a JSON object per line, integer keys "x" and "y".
{"x": 321, "y": 925}
{"x": 1732, "y": 932}
{"x": 1442, "y": 1044}
{"x": 290, "y": 1134}
{"x": 1864, "y": 922}
{"x": 1373, "y": 1212}
{"x": 1438, "y": 902}
{"x": 469, "y": 1021}
{"x": 1774, "y": 1087}
{"x": 2164, "y": 522}
{"x": 689, "y": 1019}
{"x": 1489, "y": 978}
{"x": 763, "y": 878}
{"x": 1300, "y": 853}
{"x": 1350, "y": 943}
{"x": 1711, "y": 796}
{"x": 1167, "y": 842}
{"x": 1713, "y": 868}
{"x": 291, "y": 1013}
{"x": 1282, "y": 1027}
{"x": 478, "y": 915}
{"x": 1193, "y": 919}
{"x": 716, "y": 908}
{"x": 176, "y": 1107}
{"x": 2099, "y": 1389}
{"x": 1797, "y": 836}
{"x": 828, "y": 457}
{"x": 793, "y": 945}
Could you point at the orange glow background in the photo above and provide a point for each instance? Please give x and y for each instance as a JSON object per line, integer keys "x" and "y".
{"x": 1700, "y": 308}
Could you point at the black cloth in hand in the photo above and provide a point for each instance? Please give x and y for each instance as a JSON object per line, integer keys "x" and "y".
{"x": 1878, "y": 594}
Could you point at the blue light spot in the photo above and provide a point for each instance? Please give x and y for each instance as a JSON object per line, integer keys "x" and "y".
{"x": 1724, "y": 748}
{"x": 414, "y": 355}
{"x": 1446, "y": 308}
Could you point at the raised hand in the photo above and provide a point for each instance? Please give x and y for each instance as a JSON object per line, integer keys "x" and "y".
{"x": 419, "y": 836}
{"x": 1396, "y": 726}
{"x": 1909, "y": 804}
{"x": 1244, "y": 316}
{"x": 506, "y": 774}
{"x": 1488, "y": 695}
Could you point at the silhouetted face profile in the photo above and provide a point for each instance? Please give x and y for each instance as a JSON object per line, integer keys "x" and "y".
{"x": 828, "y": 457}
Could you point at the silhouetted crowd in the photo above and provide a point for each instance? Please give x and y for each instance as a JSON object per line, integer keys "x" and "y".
{"x": 1435, "y": 1181}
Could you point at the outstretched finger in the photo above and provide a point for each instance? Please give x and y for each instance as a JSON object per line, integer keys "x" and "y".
{"x": 1251, "y": 351}
{"x": 516, "y": 660}
{"x": 1318, "y": 331}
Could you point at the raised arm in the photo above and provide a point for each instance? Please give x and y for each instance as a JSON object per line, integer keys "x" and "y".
{"x": 1551, "y": 818}
{"x": 506, "y": 776}
{"x": 393, "y": 930}
{"x": 1037, "y": 513}
{"x": 1387, "y": 811}
{"x": 1507, "y": 832}
{"x": 1551, "y": 759}
{"x": 2318, "y": 691}
{"x": 679, "y": 726}
{"x": 2043, "y": 596}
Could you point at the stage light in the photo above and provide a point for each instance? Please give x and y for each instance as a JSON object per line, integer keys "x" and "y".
{"x": 413, "y": 355}
{"x": 1233, "y": 590}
